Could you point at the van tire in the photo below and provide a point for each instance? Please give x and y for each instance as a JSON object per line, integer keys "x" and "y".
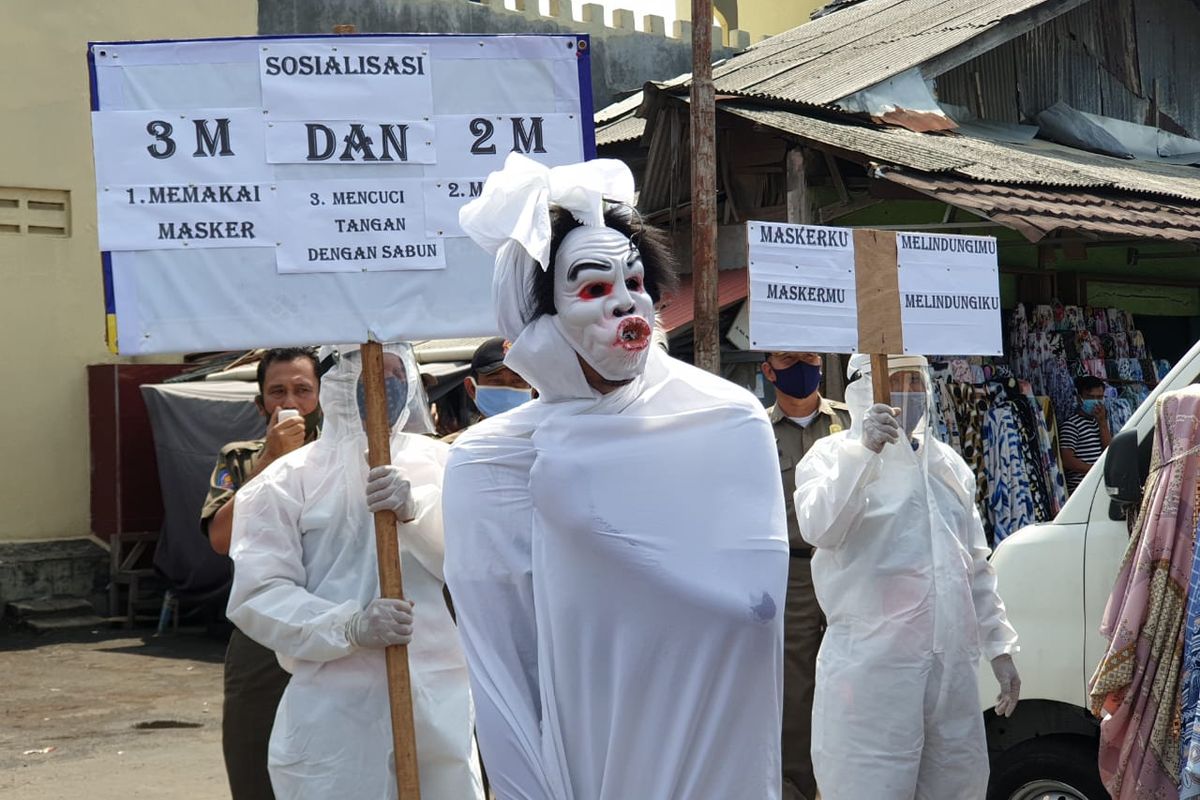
{"x": 1069, "y": 760}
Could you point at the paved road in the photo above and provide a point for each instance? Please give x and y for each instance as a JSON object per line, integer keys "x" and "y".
{"x": 127, "y": 717}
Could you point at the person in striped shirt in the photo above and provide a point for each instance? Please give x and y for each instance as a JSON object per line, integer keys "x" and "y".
{"x": 1084, "y": 436}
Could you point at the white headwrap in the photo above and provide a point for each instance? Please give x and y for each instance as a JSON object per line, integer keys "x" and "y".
{"x": 511, "y": 220}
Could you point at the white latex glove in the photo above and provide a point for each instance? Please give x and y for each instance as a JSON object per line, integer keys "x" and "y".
{"x": 382, "y": 623}
{"x": 387, "y": 490}
{"x": 880, "y": 427}
{"x": 1010, "y": 685}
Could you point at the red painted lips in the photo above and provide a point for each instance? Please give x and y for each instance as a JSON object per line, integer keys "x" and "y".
{"x": 633, "y": 334}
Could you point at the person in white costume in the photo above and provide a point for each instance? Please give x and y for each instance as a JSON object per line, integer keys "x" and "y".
{"x": 902, "y": 574}
{"x": 616, "y": 549}
{"x": 306, "y": 585}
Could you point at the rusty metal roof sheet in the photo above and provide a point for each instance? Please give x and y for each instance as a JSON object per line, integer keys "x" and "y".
{"x": 677, "y": 309}
{"x": 1036, "y": 212}
{"x": 1036, "y": 163}
{"x": 837, "y": 55}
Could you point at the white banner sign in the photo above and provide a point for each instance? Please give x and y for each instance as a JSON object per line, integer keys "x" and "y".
{"x": 331, "y": 142}
{"x": 344, "y": 80}
{"x": 355, "y": 226}
{"x": 949, "y": 294}
{"x": 260, "y": 192}
{"x": 802, "y": 291}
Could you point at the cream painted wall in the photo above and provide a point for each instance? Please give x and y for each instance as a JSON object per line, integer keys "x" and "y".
{"x": 51, "y": 297}
{"x": 759, "y": 18}
{"x": 769, "y": 17}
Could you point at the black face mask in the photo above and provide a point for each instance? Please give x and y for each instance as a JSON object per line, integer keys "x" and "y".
{"x": 799, "y": 380}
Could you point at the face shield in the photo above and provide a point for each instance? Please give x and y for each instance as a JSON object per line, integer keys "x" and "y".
{"x": 344, "y": 393}
{"x": 910, "y": 389}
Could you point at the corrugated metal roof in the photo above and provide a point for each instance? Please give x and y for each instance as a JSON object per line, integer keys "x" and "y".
{"x": 837, "y": 55}
{"x": 1037, "y": 163}
{"x": 1038, "y": 212}
{"x": 623, "y": 130}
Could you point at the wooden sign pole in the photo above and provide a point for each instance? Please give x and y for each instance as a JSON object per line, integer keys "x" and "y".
{"x": 387, "y": 551}
{"x": 877, "y": 284}
{"x": 391, "y": 583}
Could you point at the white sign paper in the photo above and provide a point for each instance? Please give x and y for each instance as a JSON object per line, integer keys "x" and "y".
{"x": 949, "y": 294}
{"x": 802, "y": 288}
{"x": 443, "y": 199}
{"x": 355, "y": 226}
{"x": 187, "y": 216}
{"x": 477, "y": 144}
{"x": 303, "y": 80}
{"x": 200, "y": 145}
{"x": 350, "y": 142}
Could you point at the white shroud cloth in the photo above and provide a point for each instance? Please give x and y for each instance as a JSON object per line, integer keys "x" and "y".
{"x": 618, "y": 565}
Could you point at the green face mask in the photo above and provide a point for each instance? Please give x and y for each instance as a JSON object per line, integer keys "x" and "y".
{"x": 312, "y": 424}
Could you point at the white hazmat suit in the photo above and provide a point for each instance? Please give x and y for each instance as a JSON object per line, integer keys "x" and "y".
{"x": 305, "y": 563}
{"x": 901, "y": 572}
{"x": 617, "y": 561}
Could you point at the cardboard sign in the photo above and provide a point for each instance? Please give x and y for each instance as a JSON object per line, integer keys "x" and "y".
{"x": 267, "y": 192}
{"x": 838, "y": 290}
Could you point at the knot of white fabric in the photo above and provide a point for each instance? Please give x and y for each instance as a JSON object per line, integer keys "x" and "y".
{"x": 511, "y": 220}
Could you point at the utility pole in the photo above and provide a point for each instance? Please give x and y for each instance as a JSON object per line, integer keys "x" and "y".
{"x": 703, "y": 126}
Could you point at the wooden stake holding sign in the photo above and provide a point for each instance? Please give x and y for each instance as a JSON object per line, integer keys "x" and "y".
{"x": 391, "y": 582}
{"x": 877, "y": 287}
{"x": 387, "y": 551}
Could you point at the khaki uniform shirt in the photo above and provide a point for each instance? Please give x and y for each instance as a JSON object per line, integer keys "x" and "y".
{"x": 792, "y": 442}
{"x": 233, "y": 469}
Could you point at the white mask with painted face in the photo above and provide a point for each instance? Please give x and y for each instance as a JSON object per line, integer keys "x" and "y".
{"x": 603, "y": 308}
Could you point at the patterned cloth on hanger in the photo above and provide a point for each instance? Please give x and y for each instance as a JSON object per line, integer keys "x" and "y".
{"x": 1018, "y": 327}
{"x": 969, "y": 408}
{"x": 1137, "y": 345}
{"x": 1095, "y": 368}
{"x": 1061, "y": 389}
{"x": 1136, "y": 690}
{"x": 1010, "y": 496}
{"x": 1119, "y": 412}
{"x": 1051, "y": 459}
{"x": 1189, "y": 745}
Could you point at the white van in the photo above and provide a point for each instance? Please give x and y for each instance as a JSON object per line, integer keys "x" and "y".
{"x": 1055, "y": 579}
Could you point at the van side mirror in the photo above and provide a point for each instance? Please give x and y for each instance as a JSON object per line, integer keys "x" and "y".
{"x": 1126, "y": 466}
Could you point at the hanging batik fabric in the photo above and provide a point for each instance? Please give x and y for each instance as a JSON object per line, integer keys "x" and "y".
{"x": 1136, "y": 688}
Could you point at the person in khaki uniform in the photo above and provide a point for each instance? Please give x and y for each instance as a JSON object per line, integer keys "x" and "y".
{"x": 254, "y": 681}
{"x": 800, "y": 417}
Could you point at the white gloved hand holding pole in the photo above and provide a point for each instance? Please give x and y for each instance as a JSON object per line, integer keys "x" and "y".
{"x": 880, "y": 427}
{"x": 1010, "y": 685}
{"x": 383, "y": 623}
{"x": 389, "y": 490}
